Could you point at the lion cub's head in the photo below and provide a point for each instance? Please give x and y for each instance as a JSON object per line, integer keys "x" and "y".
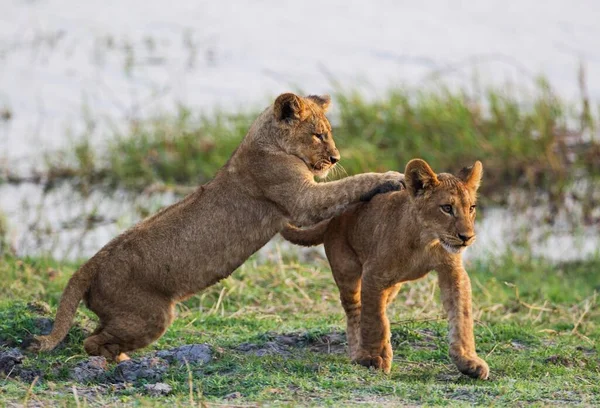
{"x": 445, "y": 203}
{"x": 305, "y": 132}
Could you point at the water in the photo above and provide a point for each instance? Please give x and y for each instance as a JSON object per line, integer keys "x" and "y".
{"x": 72, "y": 69}
{"x": 66, "y": 224}
{"x": 62, "y": 62}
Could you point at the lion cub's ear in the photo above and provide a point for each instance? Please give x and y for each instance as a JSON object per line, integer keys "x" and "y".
{"x": 324, "y": 101}
{"x": 471, "y": 175}
{"x": 419, "y": 177}
{"x": 289, "y": 107}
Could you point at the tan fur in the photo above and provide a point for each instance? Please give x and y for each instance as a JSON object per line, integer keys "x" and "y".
{"x": 399, "y": 237}
{"x": 133, "y": 283}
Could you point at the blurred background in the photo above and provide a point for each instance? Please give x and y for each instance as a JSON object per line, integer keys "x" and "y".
{"x": 111, "y": 110}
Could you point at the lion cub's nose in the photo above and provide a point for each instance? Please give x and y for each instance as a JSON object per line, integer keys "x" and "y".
{"x": 334, "y": 159}
{"x": 465, "y": 238}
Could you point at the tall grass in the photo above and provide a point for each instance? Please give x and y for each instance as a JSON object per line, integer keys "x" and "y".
{"x": 181, "y": 149}
{"x": 535, "y": 141}
{"x": 537, "y": 144}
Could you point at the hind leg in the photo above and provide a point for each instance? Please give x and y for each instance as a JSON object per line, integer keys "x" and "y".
{"x": 393, "y": 292}
{"x": 103, "y": 344}
{"x": 93, "y": 345}
{"x": 346, "y": 270}
{"x": 124, "y": 332}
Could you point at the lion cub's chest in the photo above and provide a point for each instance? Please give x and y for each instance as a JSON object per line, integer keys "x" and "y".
{"x": 412, "y": 264}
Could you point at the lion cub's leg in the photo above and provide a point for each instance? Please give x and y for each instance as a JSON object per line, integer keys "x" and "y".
{"x": 346, "y": 272}
{"x": 375, "y": 348}
{"x": 393, "y": 292}
{"x": 455, "y": 288}
{"x": 121, "y": 332}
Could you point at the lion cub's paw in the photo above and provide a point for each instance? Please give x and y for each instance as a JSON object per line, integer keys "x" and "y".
{"x": 377, "y": 362}
{"x": 474, "y": 367}
{"x": 36, "y": 344}
{"x": 390, "y": 181}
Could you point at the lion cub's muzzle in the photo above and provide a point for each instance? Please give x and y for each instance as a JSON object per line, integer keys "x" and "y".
{"x": 466, "y": 239}
{"x": 457, "y": 244}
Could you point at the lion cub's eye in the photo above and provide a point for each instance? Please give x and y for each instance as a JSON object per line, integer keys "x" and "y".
{"x": 320, "y": 136}
{"x": 472, "y": 208}
{"x": 447, "y": 208}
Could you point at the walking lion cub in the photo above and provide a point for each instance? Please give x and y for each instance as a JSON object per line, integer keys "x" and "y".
{"x": 374, "y": 247}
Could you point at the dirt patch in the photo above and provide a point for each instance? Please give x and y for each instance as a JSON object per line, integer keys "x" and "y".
{"x": 269, "y": 348}
{"x": 564, "y": 361}
{"x": 587, "y": 351}
{"x": 92, "y": 369}
{"x": 466, "y": 395}
{"x": 192, "y": 353}
{"x": 158, "y": 389}
{"x": 148, "y": 368}
{"x": 283, "y": 344}
{"x": 11, "y": 361}
{"x": 333, "y": 343}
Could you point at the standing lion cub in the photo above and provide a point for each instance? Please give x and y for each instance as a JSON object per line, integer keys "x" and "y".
{"x": 398, "y": 237}
{"x": 133, "y": 283}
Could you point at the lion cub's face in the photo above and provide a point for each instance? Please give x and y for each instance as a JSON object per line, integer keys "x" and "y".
{"x": 306, "y": 132}
{"x": 445, "y": 203}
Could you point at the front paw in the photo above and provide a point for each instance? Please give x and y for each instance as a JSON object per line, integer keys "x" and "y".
{"x": 390, "y": 181}
{"x": 474, "y": 367}
{"x": 378, "y": 362}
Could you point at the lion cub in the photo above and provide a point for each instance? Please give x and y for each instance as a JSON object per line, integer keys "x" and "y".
{"x": 134, "y": 282}
{"x": 398, "y": 237}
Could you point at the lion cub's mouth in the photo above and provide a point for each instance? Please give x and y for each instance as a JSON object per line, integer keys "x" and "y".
{"x": 321, "y": 168}
{"x": 453, "y": 249}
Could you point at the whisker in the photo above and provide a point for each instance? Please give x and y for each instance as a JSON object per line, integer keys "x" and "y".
{"x": 342, "y": 169}
{"x": 332, "y": 173}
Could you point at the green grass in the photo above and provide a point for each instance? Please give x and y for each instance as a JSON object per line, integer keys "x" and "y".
{"x": 533, "y": 140}
{"x": 537, "y": 327}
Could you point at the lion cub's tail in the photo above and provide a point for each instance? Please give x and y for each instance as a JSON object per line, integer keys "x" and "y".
{"x": 306, "y": 237}
{"x": 74, "y": 292}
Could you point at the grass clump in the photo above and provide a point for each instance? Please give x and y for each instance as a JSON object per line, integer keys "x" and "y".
{"x": 540, "y": 339}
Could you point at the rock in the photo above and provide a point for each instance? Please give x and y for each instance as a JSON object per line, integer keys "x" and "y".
{"x": 9, "y": 360}
{"x": 233, "y": 395}
{"x": 93, "y": 368}
{"x": 10, "y": 365}
{"x": 192, "y": 353}
{"x": 158, "y": 389}
{"x": 151, "y": 369}
{"x": 44, "y": 325}
{"x": 29, "y": 376}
